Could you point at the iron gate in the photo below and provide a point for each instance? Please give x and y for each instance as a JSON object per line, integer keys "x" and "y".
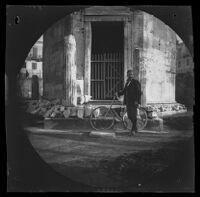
{"x": 107, "y": 73}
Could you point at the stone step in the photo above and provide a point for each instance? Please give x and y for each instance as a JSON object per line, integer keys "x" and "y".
{"x": 102, "y": 134}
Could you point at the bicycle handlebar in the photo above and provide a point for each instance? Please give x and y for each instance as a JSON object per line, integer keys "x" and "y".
{"x": 116, "y": 97}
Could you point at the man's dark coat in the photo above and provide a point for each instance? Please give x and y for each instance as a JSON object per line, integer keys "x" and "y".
{"x": 131, "y": 92}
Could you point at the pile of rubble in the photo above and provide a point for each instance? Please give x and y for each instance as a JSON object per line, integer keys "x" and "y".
{"x": 165, "y": 107}
{"x": 55, "y": 109}
{"x": 154, "y": 109}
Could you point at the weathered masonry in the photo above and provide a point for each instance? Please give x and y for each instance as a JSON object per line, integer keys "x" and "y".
{"x": 89, "y": 52}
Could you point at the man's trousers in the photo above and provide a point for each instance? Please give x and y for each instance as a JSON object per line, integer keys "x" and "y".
{"x": 132, "y": 115}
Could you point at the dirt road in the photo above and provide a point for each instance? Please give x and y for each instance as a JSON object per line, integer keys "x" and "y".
{"x": 145, "y": 162}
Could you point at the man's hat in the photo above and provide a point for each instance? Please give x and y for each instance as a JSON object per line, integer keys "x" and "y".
{"x": 129, "y": 71}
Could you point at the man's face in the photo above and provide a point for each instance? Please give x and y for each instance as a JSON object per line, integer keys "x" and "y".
{"x": 130, "y": 75}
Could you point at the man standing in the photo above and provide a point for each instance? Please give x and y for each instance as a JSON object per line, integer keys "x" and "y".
{"x": 132, "y": 96}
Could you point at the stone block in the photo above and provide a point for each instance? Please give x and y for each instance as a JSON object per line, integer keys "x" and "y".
{"x": 102, "y": 134}
{"x": 35, "y": 111}
{"x": 88, "y": 110}
{"x": 66, "y": 113}
{"x": 48, "y": 113}
{"x": 80, "y": 112}
{"x": 155, "y": 124}
{"x": 42, "y": 111}
{"x": 73, "y": 111}
{"x": 53, "y": 115}
{"x": 152, "y": 114}
{"x": 62, "y": 108}
{"x": 56, "y": 108}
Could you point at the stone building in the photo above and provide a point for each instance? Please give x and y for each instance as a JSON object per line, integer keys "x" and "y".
{"x": 184, "y": 76}
{"x": 89, "y": 52}
{"x": 184, "y": 60}
{"x": 31, "y": 74}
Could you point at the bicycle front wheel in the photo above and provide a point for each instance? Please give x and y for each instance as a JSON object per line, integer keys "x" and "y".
{"x": 102, "y": 118}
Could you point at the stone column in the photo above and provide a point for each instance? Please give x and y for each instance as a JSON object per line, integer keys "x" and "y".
{"x": 87, "y": 69}
{"x": 70, "y": 73}
{"x": 142, "y": 77}
{"x": 128, "y": 64}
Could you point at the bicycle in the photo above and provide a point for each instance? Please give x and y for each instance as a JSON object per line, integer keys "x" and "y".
{"x": 104, "y": 118}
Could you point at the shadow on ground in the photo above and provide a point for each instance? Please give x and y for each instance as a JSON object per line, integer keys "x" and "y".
{"x": 168, "y": 169}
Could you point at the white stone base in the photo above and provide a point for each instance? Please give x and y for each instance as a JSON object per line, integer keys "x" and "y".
{"x": 102, "y": 134}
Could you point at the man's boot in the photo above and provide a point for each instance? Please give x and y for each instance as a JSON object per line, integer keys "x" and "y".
{"x": 133, "y": 131}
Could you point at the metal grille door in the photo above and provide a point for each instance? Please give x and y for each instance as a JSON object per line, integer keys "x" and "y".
{"x": 107, "y": 71}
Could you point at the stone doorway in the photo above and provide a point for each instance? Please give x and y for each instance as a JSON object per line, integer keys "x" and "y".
{"x": 112, "y": 35}
{"x": 35, "y": 87}
{"x": 107, "y": 59}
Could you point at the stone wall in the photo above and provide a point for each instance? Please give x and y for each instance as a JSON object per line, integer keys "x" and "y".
{"x": 185, "y": 89}
{"x": 137, "y": 41}
{"x": 55, "y": 81}
{"x": 158, "y": 60}
{"x": 53, "y": 59}
{"x": 31, "y": 71}
{"x": 78, "y": 32}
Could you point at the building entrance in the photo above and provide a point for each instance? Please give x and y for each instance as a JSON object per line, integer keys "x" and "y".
{"x": 35, "y": 87}
{"x": 107, "y": 59}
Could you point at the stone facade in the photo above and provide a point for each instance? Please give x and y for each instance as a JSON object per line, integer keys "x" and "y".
{"x": 184, "y": 61}
{"x": 158, "y": 60}
{"x": 149, "y": 49}
{"x": 25, "y": 85}
{"x": 32, "y": 67}
{"x": 184, "y": 76}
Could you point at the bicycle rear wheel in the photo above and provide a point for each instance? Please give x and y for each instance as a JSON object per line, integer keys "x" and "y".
{"x": 141, "y": 120}
{"x": 102, "y": 118}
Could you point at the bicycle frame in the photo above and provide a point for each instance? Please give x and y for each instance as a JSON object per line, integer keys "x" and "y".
{"x": 115, "y": 113}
